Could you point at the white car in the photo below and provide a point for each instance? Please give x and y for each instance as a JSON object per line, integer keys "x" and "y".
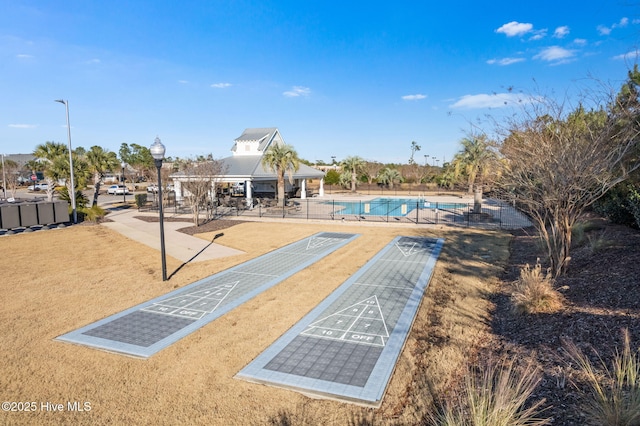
{"x": 117, "y": 190}
{"x": 152, "y": 188}
{"x": 39, "y": 187}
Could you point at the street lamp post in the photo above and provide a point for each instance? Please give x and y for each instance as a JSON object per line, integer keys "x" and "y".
{"x": 72, "y": 192}
{"x": 124, "y": 190}
{"x": 4, "y": 179}
{"x": 157, "y": 152}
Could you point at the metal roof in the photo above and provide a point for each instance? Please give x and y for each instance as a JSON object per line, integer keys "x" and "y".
{"x": 264, "y": 135}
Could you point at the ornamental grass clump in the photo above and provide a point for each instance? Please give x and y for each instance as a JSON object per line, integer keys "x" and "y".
{"x": 614, "y": 393}
{"x": 534, "y": 292}
{"x": 496, "y": 395}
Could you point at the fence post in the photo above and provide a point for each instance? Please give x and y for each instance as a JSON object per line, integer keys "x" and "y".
{"x": 417, "y": 211}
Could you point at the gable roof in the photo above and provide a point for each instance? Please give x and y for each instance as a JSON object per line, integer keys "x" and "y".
{"x": 264, "y": 135}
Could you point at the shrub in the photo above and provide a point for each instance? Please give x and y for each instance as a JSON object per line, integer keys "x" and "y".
{"x": 634, "y": 205}
{"x": 614, "y": 398}
{"x": 599, "y": 242}
{"x": 141, "y": 200}
{"x": 81, "y": 199}
{"x": 92, "y": 214}
{"x": 495, "y": 396}
{"x": 580, "y": 232}
{"x": 616, "y": 205}
{"x": 534, "y": 292}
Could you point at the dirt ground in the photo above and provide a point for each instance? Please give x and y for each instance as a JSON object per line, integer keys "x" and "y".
{"x": 56, "y": 281}
{"x": 602, "y": 296}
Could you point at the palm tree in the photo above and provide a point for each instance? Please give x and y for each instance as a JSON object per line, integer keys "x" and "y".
{"x": 389, "y": 176}
{"x": 353, "y": 164}
{"x": 60, "y": 170}
{"x": 100, "y": 162}
{"x": 474, "y": 161}
{"x": 47, "y": 154}
{"x": 281, "y": 158}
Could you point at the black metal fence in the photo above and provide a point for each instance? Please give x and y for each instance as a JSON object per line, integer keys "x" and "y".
{"x": 491, "y": 214}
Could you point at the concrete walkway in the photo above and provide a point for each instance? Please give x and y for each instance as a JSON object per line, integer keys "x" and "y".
{"x": 177, "y": 244}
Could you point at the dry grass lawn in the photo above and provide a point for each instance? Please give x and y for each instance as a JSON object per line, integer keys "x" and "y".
{"x": 57, "y": 281}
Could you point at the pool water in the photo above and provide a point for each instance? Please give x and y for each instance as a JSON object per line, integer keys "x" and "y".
{"x": 391, "y": 206}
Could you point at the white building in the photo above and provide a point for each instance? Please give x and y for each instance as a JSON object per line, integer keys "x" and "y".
{"x": 245, "y": 173}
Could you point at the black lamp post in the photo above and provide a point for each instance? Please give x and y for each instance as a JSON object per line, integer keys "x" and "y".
{"x": 157, "y": 152}
{"x": 124, "y": 190}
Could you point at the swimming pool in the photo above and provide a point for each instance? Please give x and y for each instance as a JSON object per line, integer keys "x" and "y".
{"x": 396, "y": 207}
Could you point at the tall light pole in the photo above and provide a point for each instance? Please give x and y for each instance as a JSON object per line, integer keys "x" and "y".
{"x": 72, "y": 193}
{"x": 4, "y": 179}
{"x": 124, "y": 190}
{"x": 157, "y": 152}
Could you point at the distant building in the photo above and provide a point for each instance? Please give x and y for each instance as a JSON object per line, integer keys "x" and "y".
{"x": 245, "y": 173}
{"x": 20, "y": 159}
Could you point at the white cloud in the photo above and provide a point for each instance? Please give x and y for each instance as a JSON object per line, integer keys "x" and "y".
{"x": 415, "y": 97}
{"x": 539, "y": 34}
{"x": 24, "y": 56}
{"x": 505, "y": 61}
{"x": 580, "y": 41}
{"x": 633, "y": 56}
{"x": 555, "y": 54}
{"x": 514, "y": 28}
{"x": 183, "y": 81}
{"x": 23, "y": 126}
{"x": 498, "y": 100}
{"x": 561, "y": 32}
{"x": 221, "y": 85}
{"x": 297, "y": 91}
{"x": 604, "y": 30}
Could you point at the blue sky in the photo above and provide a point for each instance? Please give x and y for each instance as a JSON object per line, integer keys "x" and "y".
{"x": 338, "y": 78}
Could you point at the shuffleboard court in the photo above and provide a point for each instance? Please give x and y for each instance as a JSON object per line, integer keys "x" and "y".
{"x": 347, "y": 347}
{"x": 149, "y": 327}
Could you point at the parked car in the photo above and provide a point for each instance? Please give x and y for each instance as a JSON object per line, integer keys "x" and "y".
{"x": 238, "y": 188}
{"x": 117, "y": 190}
{"x": 152, "y": 187}
{"x": 38, "y": 187}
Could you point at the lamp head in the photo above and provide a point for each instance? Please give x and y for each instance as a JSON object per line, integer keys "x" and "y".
{"x": 61, "y": 101}
{"x": 157, "y": 150}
